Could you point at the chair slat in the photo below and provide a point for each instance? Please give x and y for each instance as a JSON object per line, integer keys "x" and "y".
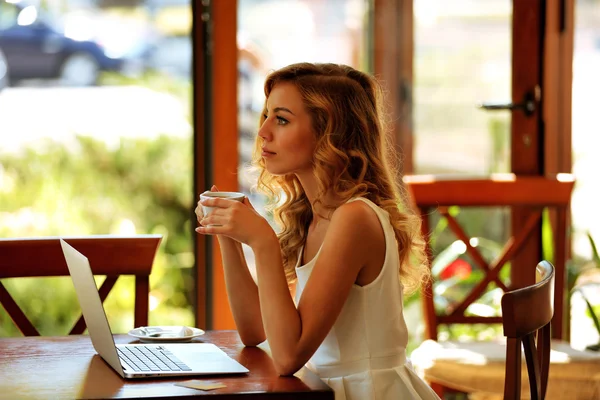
{"x": 108, "y": 255}
{"x": 15, "y": 313}
{"x": 103, "y": 291}
{"x": 543, "y": 345}
{"x": 461, "y": 235}
{"x": 142, "y": 288}
{"x": 512, "y": 383}
{"x": 533, "y": 368}
{"x": 527, "y": 312}
{"x": 511, "y": 249}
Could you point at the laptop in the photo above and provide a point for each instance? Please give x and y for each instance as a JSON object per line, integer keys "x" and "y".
{"x": 140, "y": 360}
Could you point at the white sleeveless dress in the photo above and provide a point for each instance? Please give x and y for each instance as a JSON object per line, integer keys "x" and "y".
{"x": 363, "y": 357}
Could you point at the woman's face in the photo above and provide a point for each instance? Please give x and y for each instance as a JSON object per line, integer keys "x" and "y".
{"x": 288, "y": 139}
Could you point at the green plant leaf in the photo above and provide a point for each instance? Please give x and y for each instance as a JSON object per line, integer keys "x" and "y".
{"x": 547, "y": 237}
{"x": 454, "y": 211}
{"x": 437, "y": 230}
{"x": 593, "y": 315}
{"x": 590, "y": 310}
{"x": 573, "y": 271}
{"x": 595, "y": 256}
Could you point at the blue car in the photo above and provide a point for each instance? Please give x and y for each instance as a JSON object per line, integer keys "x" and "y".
{"x": 35, "y": 48}
{"x": 3, "y": 71}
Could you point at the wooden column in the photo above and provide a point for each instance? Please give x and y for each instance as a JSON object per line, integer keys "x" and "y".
{"x": 199, "y": 92}
{"x": 556, "y": 114}
{"x": 215, "y": 142}
{"x": 557, "y": 83}
{"x": 541, "y": 143}
{"x": 224, "y": 133}
{"x": 393, "y": 65}
{"x": 526, "y": 130}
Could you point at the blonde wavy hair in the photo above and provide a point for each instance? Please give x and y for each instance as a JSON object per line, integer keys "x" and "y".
{"x": 352, "y": 158}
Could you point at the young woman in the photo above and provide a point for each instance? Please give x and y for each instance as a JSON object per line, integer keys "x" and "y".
{"x": 348, "y": 240}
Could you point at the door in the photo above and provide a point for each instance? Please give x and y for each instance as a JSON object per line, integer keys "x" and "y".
{"x": 483, "y": 83}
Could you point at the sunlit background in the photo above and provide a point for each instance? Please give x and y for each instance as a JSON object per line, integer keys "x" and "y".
{"x": 100, "y": 141}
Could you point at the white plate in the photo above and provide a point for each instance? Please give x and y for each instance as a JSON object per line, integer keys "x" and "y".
{"x": 166, "y": 333}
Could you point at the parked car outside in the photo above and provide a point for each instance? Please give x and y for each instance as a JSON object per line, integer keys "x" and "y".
{"x": 35, "y": 47}
{"x": 3, "y": 71}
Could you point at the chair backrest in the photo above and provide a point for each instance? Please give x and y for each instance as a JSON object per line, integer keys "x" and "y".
{"x": 535, "y": 193}
{"x": 109, "y": 255}
{"x": 526, "y": 313}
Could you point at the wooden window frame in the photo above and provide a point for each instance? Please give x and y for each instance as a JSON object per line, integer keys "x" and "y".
{"x": 543, "y": 146}
{"x": 216, "y": 156}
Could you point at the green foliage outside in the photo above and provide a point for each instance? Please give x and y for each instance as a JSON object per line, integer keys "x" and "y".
{"x": 488, "y": 229}
{"x": 493, "y": 225}
{"x": 83, "y": 188}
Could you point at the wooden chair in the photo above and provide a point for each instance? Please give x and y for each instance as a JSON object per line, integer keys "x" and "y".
{"x": 526, "y": 314}
{"x": 112, "y": 256}
{"x": 431, "y": 193}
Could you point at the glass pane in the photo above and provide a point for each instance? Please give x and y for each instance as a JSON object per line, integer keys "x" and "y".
{"x": 275, "y": 33}
{"x": 462, "y": 58}
{"x": 586, "y": 163}
{"x": 95, "y": 138}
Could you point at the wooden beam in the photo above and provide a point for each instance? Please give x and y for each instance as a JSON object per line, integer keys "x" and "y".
{"x": 224, "y": 134}
{"x": 525, "y": 191}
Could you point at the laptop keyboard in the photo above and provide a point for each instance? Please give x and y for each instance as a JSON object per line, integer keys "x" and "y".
{"x": 150, "y": 358}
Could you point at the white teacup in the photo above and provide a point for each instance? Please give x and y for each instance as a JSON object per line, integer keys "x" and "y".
{"x": 237, "y": 196}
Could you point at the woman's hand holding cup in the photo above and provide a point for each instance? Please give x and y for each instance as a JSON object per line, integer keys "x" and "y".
{"x": 208, "y": 210}
{"x": 199, "y": 209}
{"x": 230, "y": 214}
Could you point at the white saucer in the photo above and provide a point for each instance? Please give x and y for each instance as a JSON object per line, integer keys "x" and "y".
{"x": 166, "y": 333}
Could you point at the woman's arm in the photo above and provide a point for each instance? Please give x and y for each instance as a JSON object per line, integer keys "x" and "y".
{"x": 294, "y": 334}
{"x": 242, "y": 292}
{"x": 241, "y": 288}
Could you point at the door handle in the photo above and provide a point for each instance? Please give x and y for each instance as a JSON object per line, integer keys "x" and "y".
{"x": 528, "y": 105}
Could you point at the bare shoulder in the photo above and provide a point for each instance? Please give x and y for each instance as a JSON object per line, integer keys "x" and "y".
{"x": 357, "y": 217}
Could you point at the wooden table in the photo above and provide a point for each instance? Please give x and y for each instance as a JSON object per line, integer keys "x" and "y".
{"x": 67, "y": 367}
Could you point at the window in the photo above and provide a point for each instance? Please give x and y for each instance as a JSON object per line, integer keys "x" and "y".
{"x": 96, "y": 138}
